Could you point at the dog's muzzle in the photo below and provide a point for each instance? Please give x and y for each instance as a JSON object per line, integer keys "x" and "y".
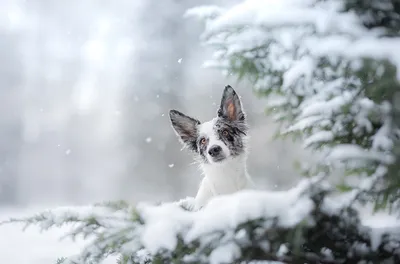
{"x": 216, "y": 153}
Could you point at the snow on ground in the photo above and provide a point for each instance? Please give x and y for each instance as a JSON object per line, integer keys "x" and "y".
{"x": 32, "y": 246}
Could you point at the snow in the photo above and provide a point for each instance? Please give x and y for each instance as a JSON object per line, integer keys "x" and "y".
{"x": 168, "y": 220}
{"x": 319, "y": 137}
{"x": 350, "y": 151}
{"x": 288, "y": 37}
{"x": 303, "y": 67}
{"x": 327, "y": 253}
{"x": 282, "y": 46}
{"x": 223, "y": 212}
{"x": 382, "y": 138}
{"x": 226, "y": 253}
{"x": 33, "y": 246}
{"x": 332, "y": 205}
{"x": 227, "y": 212}
{"x": 161, "y": 225}
{"x": 380, "y": 222}
{"x": 275, "y": 13}
{"x": 304, "y": 123}
{"x": 383, "y": 48}
{"x": 204, "y": 11}
{"x": 350, "y": 38}
{"x": 327, "y": 107}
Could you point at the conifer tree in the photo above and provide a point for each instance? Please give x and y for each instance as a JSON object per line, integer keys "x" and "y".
{"x": 329, "y": 72}
{"x": 299, "y": 55}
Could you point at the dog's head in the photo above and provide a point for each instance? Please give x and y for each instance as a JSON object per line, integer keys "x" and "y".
{"x": 218, "y": 139}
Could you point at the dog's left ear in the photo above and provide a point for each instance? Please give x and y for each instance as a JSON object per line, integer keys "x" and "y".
{"x": 231, "y": 107}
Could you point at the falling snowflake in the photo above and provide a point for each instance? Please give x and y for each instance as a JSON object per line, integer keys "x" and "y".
{"x": 180, "y": 60}
{"x": 171, "y": 165}
{"x": 67, "y": 152}
{"x": 148, "y": 140}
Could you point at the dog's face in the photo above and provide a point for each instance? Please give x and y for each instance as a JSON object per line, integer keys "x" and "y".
{"x": 218, "y": 139}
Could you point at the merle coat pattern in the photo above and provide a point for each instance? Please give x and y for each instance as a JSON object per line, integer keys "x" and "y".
{"x": 219, "y": 146}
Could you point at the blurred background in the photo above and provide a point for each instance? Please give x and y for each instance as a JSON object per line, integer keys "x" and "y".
{"x": 85, "y": 90}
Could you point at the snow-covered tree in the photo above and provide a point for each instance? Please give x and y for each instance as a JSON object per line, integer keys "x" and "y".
{"x": 329, "y": 70}
{"x": 302, "y": 225}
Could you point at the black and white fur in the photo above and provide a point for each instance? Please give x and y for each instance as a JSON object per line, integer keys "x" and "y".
{"x": 219, "y": 145}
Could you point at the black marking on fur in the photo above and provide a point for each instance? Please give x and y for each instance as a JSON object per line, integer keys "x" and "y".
{"x": 186, "y": 128}
{"x": 231, "y": 118}
{"x": 235, "y": 139}
{"x": 202, "y": 148}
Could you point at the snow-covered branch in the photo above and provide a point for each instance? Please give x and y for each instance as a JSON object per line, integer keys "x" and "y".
{"x": 303, "y": 224}
{"x": 329, "y": 72}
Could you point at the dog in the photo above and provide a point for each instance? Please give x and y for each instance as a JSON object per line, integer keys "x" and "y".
{"x": 219, "y": 146}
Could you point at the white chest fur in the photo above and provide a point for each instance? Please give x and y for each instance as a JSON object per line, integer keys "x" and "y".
{"x": 226, "y": 178}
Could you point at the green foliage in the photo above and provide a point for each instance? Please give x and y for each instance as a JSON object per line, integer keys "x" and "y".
{"x": 61, "y": 260}
{"x": 326, "y": 100}
{"x": 342, "y": 187}
{"x": 377, "y": 14}
{"x": 343, "y": 107}
{"x": 325, "y": 234}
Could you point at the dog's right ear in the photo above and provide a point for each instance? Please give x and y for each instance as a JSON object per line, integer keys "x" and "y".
{"x": 185, "y": 127}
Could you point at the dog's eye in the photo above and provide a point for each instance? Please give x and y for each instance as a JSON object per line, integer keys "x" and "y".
{"x": 203, "y": 141}
{"x": 225, "y": 133}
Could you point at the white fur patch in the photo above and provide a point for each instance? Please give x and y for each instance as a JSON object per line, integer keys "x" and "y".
{"x": 207, "y": 130}
{"x": 227, "y": 177}
{"x": 224, "y": 177}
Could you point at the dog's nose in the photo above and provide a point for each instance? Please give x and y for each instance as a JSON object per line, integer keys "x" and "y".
{"x": 214, "y": 150}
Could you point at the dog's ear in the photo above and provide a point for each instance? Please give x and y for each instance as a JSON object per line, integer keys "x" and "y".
{"x": 185, "y": 127}
{"x": 231, "y": 107}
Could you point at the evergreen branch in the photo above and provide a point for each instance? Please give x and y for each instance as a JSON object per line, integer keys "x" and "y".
{"x": 302, "y": 227}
